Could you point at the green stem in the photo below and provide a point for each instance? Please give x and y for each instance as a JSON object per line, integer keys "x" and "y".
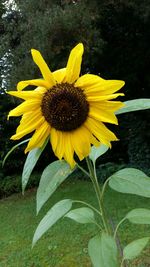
{"x": 122, "y": 263}
{"x": 92, "y": 177}
{"x": 94, "y": 166}
{"x": 104, "y": 187}
{"x": 87, "y": 204}
{"x": 118, "y": 225}
{"x": 94, "y": 180}
{"x": 98, "y": 225}
{"x": 83, "y": 170}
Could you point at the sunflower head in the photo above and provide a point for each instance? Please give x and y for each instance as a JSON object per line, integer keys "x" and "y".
{"x": 65, "y": 107}
{"x": 69, "y": 109}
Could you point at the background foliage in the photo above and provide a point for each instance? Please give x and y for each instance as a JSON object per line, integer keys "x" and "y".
{"x": 116, "y": 39}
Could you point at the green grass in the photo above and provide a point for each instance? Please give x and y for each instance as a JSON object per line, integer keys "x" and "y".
{"x": 65, "y": 245}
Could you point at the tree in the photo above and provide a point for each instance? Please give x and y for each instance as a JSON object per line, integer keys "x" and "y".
{"x": 1, "y": 34}
{"x": 52, "y": 27}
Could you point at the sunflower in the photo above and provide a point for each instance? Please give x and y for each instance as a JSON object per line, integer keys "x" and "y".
{"x": 69, "y": 109}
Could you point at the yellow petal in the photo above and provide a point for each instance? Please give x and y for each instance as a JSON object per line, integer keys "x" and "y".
{"x": 59, "y": 152}
{"x": 26, "y": 95}
{"x": 36, "y": 82}
{"x": 93, "y": 84}
{"x": 74, "y": 64}
{"x": 39, "y": 137}
{"x": 25, "y": 107}
{"x": 106, "y": 132}
{"x": 40, "y": 90}
{"x": 69, "y": 152}
{"x": 111, "y": 87}
{"x": 102, "y": 115}
{"x": 80, "y": 139}
{"x": 100, "y": 131}
{"x": 30, "y": 119}
{"x": 24, "y": 129}
{"x": 94, "y": 141}
{"x": 108, "y": 105}
{"x": 31, "y": 115}
{"x": 61, "y": 145}
{"x": 47, "y": 75}
{"x": 93, "y": 97}
{"x": 59, "y": 75}
{"x": 89, "y": 80}
{"x": 54, "y": 139}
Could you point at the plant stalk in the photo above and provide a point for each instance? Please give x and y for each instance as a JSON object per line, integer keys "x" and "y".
{"x": 94, "y": 180}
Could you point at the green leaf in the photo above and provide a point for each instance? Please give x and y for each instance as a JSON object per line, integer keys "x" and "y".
{"x": 30, "y": 163}
{"x": 134, "y": 105}
{"x": 81, "y": 215}
{"x": 131, "y": 181}
{"x": 53, "y": 175}
{"x": 12, "y": 149}
{"x": 133, "y": 249}
{"x": 139, "y": 216}
{"x": 96, "y": 152}
{"x": 103, "y": 251}
{"x": 52, "y": 216}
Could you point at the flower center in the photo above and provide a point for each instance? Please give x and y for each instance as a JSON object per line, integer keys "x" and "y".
{"x": 65, "y": 107}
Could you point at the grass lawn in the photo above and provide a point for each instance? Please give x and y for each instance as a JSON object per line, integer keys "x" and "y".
{"x": 65, "y": 245}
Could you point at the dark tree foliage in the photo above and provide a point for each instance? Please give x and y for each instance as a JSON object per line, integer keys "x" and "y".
{"x": 126, "y": 53}
{"x": 53, "y": 29}
{"x": 2, "y": 31}
{"x": 116, "y": 39}
{"x": 1, "y": 20}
